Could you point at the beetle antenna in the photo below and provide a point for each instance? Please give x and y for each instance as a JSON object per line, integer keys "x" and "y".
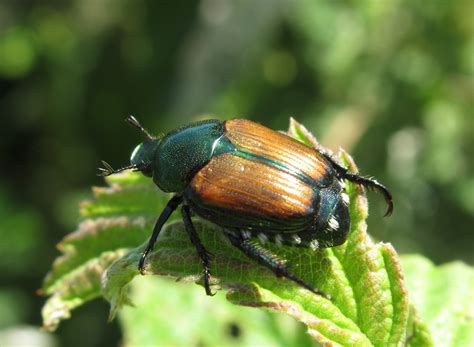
{"x": 108, "y": 170}
{"x": 136, "y": 124}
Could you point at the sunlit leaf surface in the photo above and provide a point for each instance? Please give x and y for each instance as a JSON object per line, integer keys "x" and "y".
{"x": 369, "y": 303}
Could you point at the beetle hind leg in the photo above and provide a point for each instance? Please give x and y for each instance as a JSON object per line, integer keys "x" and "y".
{"x": 204, "y": 255}
{"x": 371, "y": 183}
{"x": 268, "y": 259}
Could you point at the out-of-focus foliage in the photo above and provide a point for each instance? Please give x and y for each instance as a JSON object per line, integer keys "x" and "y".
{"x": 443, "y": 296}
{"x": 390, "y": 81}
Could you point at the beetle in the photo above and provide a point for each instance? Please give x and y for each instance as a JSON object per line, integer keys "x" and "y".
{"x": 254, "y": 182}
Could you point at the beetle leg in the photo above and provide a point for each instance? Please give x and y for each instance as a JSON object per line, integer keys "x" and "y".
{"x": 202, "y": 252}
{"x": 364, "y": 181}
{"x": 371, "y": 183}
{"x": 165, "y": 214}
{"x": 266, "y": 258}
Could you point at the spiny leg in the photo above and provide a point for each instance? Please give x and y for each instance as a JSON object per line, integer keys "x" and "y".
{"x": 165, "y": 214}
{"x": 365, "y": 181}
{"x": 202, "y": 252}
{"x": 266, "y": 258}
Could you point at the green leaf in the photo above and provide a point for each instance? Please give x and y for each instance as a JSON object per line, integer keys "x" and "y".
{"x": 370, "y": 302}
{"x": 444, "y": 298}
{"x": 178, "y": 314}
{"x": 299, "y": 132}
{"x": 112, "y": 222}
{"x": 77, "y": 287}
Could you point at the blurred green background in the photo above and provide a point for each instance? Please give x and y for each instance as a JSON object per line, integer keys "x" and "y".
{"x": 390, "y": 81}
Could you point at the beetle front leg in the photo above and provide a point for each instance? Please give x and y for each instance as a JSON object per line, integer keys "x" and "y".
{"x": 165, "y": 214}
{"x": 364, "y": 181}
{"x": 204, "y": 255}
{"x": 266, "y": 258}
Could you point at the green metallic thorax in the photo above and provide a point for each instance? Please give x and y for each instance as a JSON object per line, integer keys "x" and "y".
{"x": 185, "y": 151}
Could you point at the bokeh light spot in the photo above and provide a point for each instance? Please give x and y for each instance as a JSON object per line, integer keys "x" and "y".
{"x": 17, "y": 53}
{"x": 279, "y": 68}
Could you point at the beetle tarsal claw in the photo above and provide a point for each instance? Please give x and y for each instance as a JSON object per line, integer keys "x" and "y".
{"x": 141, "y": 263}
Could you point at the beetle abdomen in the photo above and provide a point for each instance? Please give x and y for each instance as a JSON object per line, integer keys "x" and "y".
{"x": 260, "y": 195}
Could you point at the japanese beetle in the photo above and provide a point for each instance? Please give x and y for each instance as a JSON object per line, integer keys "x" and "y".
{"x": 254, "y": 182}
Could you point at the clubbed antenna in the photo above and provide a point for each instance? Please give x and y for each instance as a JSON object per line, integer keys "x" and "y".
{"x": 136, "y": 124}
{"x": 108, "y": 170}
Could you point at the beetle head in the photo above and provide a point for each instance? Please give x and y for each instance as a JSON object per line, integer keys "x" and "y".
{"x": 143, "y": 155}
